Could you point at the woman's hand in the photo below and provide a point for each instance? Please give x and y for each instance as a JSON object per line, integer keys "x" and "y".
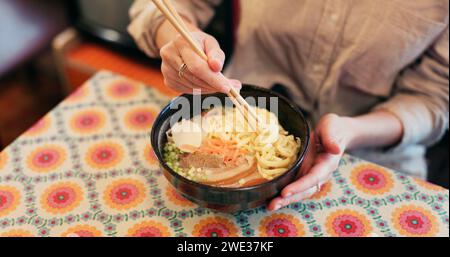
{"x": 327, "y": 145}
{"x": 199, "y": 74}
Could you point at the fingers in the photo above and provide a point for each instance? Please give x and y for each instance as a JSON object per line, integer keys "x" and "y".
{"x": 183, "y": 84}
{"x": 177, "y": 86}
{"x": 200, "y": 69}
{"x": 171, "y": 63}
{"x": 199, "y": 74}
{"x": 216, "y": 57}
{"x": 170, "y": 67}
{"x": 306, "y": 186}
{"x": 280, "y": 202}
{"x": 236, "y": 84}
{"x": 327, "y": 146}
{"x": 170, "y": 72}
{"x": 324, "y": 165}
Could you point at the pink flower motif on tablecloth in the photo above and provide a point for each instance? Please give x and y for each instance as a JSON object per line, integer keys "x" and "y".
{"x": 348, "y": 223}
{"x": 9, "y": 199}
{"x": 82, "y": 231}
{"x": 413, "y": 221}
{"x": 124, "y": 194}
{"x": 122, "y": 89}
{"x": 215, "y": 227}
{"x": 281, "y": 225}
{"x": 104, "y": 155}
{"x": 88, "y": 121}
{"x": 140, "y": 119}
{"x": 46, "y": 159}
{"x": 62, "y": 197}
{"x": 149, "y": 229}
{"x": 372, "y": 179}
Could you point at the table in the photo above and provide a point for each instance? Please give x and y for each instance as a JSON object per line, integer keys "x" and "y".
{"x": 87, "y": 169}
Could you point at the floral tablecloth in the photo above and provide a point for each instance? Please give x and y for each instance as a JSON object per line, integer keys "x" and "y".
{"x": 87, "y": 169}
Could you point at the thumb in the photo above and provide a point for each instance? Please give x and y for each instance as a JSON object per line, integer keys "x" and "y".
{"x": 216, "y": 57}
{"x": 236, "y": 84}
{"x": 329, "y": 142}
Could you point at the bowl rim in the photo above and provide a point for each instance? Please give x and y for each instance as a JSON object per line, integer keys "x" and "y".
{"x": 299, "y": 160}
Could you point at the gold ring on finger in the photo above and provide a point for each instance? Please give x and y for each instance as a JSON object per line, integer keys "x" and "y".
{"x": 182, "y": 70}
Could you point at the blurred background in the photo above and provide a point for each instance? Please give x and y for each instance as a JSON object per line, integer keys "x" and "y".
{"x": 48, "y": 48}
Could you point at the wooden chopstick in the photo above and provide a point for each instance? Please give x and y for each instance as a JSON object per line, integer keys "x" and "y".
{"x": 244, "y": 103}
{"x": 175, "y": 14}
{"x": 175, "y": 19}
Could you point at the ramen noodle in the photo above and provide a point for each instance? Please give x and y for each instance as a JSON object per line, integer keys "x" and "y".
{"x": 217, "y": 148}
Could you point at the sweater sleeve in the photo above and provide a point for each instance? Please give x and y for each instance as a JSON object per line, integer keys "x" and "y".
{"x": 146, "y": 19}
{"x": 421, "y": 100}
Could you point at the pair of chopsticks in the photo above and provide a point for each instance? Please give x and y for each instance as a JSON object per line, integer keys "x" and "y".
{"x": 167, "y": 9}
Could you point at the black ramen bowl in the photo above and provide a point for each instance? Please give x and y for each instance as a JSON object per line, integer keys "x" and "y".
{"x": 232, "y": 199}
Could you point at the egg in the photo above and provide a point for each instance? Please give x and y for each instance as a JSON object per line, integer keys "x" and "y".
{"x": 187, "y": 135}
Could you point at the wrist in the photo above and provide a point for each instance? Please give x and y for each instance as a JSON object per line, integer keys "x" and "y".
{"x": 375, "y": 129}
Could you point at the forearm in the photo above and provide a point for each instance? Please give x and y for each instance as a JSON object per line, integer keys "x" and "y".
{"x": 166, "y": 33}
{"x": 376, "y": 129}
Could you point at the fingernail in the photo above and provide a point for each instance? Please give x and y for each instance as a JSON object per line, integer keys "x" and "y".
{"x": 277, "y": 207}
{"x": 236, "y": 83}
{"x": 288, "y": 195}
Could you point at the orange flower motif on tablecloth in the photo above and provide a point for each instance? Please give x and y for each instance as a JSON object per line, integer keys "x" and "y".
{"x": 428, "y": 186}
{"x": 124, "y": 194}
{"x": 17, "y": 233}
{"x": 372, "y": 179}
{"x": 3, "y": 160}
{"x": 88, "y": 121}
{"x": 104, "y": 155}
{"x": 140, "y": 119}
{"x": 348, "y": 223}
{"x": 281, "y": 225}
{"x": 46, "y": 159}
{"x": 149, "y": 155}
{"x": 9, "y": 199}
{"x": 176, "y": 198}
{"x": 62, "y": 197}
{"x": 39, "y": 127}
{"x": 324, "y": 191}
{"x": 414, "y": 221}
{"x": 82, "y": 231}
{"x": 79, "y": 94}
{"x": 215, "y": 227}
{"x": 122, "y": 89}
{"x": 149, "y": 229}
